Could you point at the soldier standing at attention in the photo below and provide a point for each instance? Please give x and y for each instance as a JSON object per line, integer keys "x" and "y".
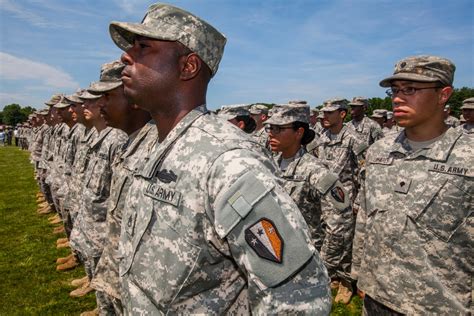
{"x": 317, "y": 191}
{"x": 450, "y": 120}
{"x": 413, "y": 249}
{"x": 259, "y": 113}
{"x": 342, "y": 150}
{"x": 467, "y": 109}
{"x": 206, "y": 228}
{"x": 361, "y": 124}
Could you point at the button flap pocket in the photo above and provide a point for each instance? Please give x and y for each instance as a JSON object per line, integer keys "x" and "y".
{"x": 235, "y": 204}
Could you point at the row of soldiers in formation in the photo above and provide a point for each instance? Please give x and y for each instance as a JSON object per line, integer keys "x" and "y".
{"x": 186, "y": 213}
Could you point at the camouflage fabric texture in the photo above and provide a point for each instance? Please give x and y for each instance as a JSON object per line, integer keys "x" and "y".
{"x": 422, "y": 68}
{"x": 326, "y": 207}
{"x": 106, "y": 276}
{"x": 367, "y": 129}
{"x": 413, "y": 248}
{"x": 289, "y": 113}
{"x": 83, "y": 153}
{"x": 207, "y": 199}
{"x": 110, "y": 77}
{"x": 452, "y": 121}
{"x": 89, "y": 228}
{"x": 169, "y": 23}
{"x": 343, "y": 156}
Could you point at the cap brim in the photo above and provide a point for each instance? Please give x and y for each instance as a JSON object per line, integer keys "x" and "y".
{"x": 89, "y": 96}
{"x": 123, "y": 33}
{"x": 100, "y": 87}
{"x": 227, "y": 117}
{"x": 387, "y": 82}
{"x": 61, "y": 105}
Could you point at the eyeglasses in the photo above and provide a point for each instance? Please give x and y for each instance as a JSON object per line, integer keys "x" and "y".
{"x": 406, "y": 91}
{"x": 275, "y": 129}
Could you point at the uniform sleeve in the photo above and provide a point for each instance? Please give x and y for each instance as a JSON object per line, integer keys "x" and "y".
{"x": 337, "y": 221}
{"x": 359, "y": 235}
{"x": 268, "y": 237}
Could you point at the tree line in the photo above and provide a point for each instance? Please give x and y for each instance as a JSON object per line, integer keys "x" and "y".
{"x": 13, "y": 114}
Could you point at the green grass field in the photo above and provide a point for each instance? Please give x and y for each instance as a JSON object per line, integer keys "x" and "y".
{"x": 30, "y": 284}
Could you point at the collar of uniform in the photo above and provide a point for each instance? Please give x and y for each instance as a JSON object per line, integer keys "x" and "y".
{"x": 439, "y": 151}
{"x": 136, "y": 139}
{"x": 339, "y": 137}
{"x": 156, "y": 156}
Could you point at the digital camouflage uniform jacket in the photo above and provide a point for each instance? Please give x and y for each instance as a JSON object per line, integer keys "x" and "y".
{"x": 81, "y": 161}
{"x": 89, "y": 230}
{"x": 368, "y": 129}
{"x": 325, "y": 206}
{"x": 206, "y": 229}
{"x": 342, "y": 156}
{"x": 133, "y": 156}
{"x": 71, "y": 145}
{"x": 413, "y": 248}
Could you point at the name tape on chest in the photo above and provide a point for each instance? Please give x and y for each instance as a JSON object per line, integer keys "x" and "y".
{"x": 381, "y": 160}
{"x": 163, "y": 193}
{"x": 449, "y": 169}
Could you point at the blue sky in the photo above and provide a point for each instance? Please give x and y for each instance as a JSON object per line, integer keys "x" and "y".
{"x": 276, "y": 50}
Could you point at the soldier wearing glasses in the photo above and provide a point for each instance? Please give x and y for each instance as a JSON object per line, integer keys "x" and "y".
{"x": 413, "y": 250}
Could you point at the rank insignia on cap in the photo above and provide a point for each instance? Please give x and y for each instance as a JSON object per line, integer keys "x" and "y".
{"x": 338, "y": 194}
{"x": 263, "y": 237}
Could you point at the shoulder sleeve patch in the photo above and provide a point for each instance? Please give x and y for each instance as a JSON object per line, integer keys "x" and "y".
{"x": 326, "y": 182}
{"x": 237, "y": 202}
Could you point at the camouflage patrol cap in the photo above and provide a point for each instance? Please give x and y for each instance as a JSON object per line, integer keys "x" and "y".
{"x": 64, "y": 103}
{"x": 288, "y": 113}
{"x": 86, "y": 95}
{"x": 169, "y": 23}
{"x": 54, "y": 99}
{"x": 468, "y": 104}
{"x": 75, "y": 97}
{"x": 359, "y": 101}
{"x": 110, "y": 77}
{"x": 314, "y": 111}
{"x": 258, "y": 109}
{"x": 43, "y": 112}
{"x": 229, "y": 112}
{"x": 335, "y": 104}
{"x": 422, "y": 69}
{"x": 297, "y": 102}
{"x": 379, "y": 113}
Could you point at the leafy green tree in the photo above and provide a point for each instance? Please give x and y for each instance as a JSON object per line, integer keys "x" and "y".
{"x": 12, "y": 114}
{"x": 457, "y": 97}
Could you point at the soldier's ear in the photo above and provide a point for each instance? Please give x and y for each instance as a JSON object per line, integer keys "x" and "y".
{"x": 445, "y": 94}
{"x": 190, "y": 66}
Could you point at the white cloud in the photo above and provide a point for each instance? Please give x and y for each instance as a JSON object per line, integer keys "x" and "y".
{"x": 24, "y": 14}
{"x": 14, "y": 68}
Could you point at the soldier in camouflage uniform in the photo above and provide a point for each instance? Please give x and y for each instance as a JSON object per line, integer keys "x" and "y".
{"x": 79, "y": 165}
{"x": 413, "y": 249}
{"x": 259, "y": 113}
{"x": 317, "y": 191}
{"x": 89, "y": 232}
{"x": 450, "y": 120}
{"x": 342, "y": 151}
{"x": 118, "y": 113}
{"x": 239, "y": 116}
{"x": 467, "y": 109}
{"x": 206, "y": 228}
{"x": 361, "y": 124}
